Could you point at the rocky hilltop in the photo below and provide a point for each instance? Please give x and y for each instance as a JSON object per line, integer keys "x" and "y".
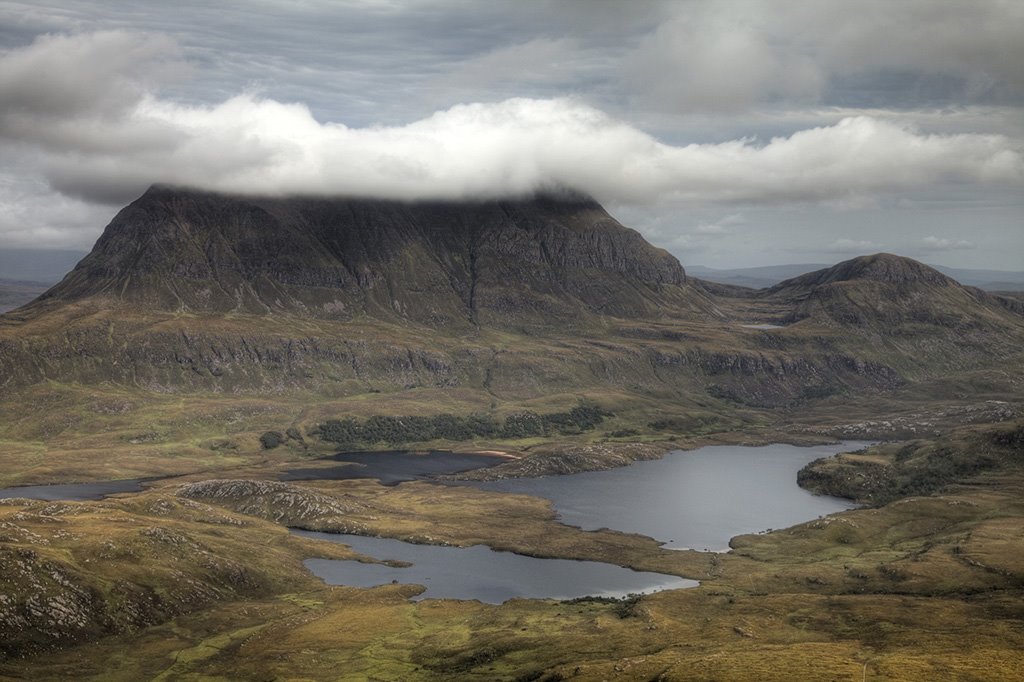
{"x": 503, "y": 300}
{"x": 892, "y": 295}
{"x": 527, "y": 261}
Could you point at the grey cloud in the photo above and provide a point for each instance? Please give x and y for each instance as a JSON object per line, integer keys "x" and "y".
{"x": 822, "y": 100}
{"x": 33, "y": 216}
{"x": 108, "y": 147}
{"x": 97, "y": 73}
{"x": 716, "y": 56}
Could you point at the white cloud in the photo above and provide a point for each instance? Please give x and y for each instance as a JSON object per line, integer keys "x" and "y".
{"x": 711, "y": 229}
{"x": 109, "y": 145}
{"x": 933, "y": 243}
{"x": 858, "y": 246}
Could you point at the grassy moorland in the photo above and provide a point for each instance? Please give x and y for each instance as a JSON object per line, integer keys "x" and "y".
{"x": 178, "y": 583}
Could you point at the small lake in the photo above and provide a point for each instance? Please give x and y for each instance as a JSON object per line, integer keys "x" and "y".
{"x": 481, "y": 573}
{"x": 392, "y": 468}
{"x": 696, "y": 499}
{"x": 74, "y": 491}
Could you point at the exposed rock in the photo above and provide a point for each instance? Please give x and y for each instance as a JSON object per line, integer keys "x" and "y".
{"x": 439, "y": 263}
{"x": 282, "y": 502}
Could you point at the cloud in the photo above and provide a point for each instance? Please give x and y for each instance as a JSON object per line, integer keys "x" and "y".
{"x": 722, "y": 226}
{"x": 933, "y": 243}
{"x": 31, "y": 216}
{"x": 107, "y": 146}
{"x": 734, "y": 56}
{"x": 852, "y": 246}
{"x": 99, "y": 74}
{"x": 541, "y": 60}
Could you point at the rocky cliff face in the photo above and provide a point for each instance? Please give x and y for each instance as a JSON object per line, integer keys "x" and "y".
{"x": 192, "y": 291}
{"x": 527, "y": 261}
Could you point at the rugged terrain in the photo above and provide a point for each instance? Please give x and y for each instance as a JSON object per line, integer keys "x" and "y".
{"x": 200, "y": 321}
{"x": 217, "y": 338}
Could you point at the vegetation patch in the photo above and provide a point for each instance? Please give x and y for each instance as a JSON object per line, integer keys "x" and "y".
{"x": 890, "y": 472}
{"x": 350, "y": 432}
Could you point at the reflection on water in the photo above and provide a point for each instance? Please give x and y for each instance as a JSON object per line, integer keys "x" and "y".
{"x": 481, "y": 573}
{"x": 391, "y": 468}
{"x": 74, "y": 491}
{"x": 696, "y": 499}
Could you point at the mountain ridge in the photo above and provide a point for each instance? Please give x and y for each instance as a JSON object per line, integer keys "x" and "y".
{"x": 767, "y": 276}
{"x": 437, "y": 263}
{"x": 197, "y": 291}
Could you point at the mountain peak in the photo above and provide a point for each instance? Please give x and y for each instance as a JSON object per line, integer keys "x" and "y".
{"x": 549, "y": 256}
{"x": 880, "y": 267}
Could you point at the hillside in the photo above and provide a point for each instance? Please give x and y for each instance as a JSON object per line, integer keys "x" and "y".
{"x": 303, "y": 310}
{"x": 766, "y": 276}
{"x": 221, "y": 342}
{"x": 506, "y": 263}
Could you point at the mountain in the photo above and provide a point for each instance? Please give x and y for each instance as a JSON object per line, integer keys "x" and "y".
{"x": 192, "y": 290}
{"x": 889, "y": 290}
{"x": 903, "y": 313}
{"x": 503, "y": 300}
{"x": 766, "y": 276}
{"x": 528, "y": 261}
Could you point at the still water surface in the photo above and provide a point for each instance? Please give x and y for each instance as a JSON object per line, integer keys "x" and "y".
{"x": 479, "y": 572}
{"x": 695, "y": 499}
{"x": 391, "y": 468}
{"x": 74, "y": 491}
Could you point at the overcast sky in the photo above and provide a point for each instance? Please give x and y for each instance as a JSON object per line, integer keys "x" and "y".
{"x": 731, "y": 133}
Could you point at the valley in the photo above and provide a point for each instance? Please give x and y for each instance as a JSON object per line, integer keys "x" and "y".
{"x": 216, "y": 345}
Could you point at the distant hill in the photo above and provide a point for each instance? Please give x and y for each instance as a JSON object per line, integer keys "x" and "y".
{"x": 769, "y": 275}
{"x": 989, "y": 280}
{"x": 756, "y": 278}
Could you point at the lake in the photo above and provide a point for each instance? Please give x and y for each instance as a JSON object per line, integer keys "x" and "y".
{"x": 74, "y": 491}
{"x": 481, "y": 573}
{"x": 696, "y": 499}
{"x": 392, "y": 468}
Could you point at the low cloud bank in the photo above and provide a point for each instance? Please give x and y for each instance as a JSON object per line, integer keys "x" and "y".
{"x": 86, "y": 106}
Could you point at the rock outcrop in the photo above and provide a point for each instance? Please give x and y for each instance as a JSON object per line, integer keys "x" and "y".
{"x": 512, "y": 262}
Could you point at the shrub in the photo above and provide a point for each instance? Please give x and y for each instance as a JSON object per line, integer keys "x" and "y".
{"x": 271, "y": 439}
